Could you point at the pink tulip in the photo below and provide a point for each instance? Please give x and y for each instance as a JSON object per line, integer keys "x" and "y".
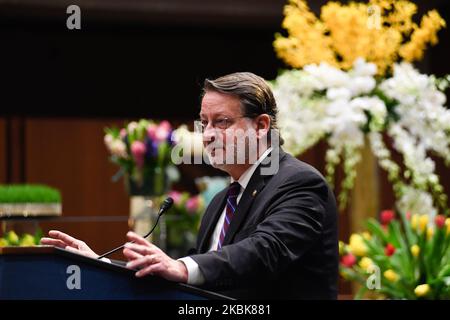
{"x": 192, "y": 205}
{"x": 138, "y": 152}
{"x": 163, "y": 131}
{"x": 166, "y": 125}
{"x": 123, "y": 133}
{"x": 151, "y": 131}
{"x": 176, "y": 196}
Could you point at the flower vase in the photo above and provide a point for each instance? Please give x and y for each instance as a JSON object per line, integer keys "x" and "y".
{"x": 153, "y": 183}
{"x": 365, "y": 201}
{"x": 145, "y": 202}
{"x": 144, "y": 215}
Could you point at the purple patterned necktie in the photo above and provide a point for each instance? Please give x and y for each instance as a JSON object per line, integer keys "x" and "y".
{"x": 232, "y": 194}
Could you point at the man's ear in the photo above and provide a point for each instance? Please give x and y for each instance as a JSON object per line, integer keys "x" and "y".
{"x": 262, "y": 125}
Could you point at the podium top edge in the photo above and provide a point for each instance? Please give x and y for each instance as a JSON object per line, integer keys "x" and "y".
{"x": 27, "y": 250}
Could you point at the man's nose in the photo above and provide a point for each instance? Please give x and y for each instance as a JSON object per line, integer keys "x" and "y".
{"x": 209, "y": 135}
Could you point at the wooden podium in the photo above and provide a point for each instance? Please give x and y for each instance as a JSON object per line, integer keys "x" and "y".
{"x": 49, "y": 273}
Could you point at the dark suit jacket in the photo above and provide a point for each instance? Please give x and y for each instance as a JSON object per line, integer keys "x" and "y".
{"x": 281, "y": 243}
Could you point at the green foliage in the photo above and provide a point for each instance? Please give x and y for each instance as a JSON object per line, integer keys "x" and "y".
{"x": 28, "y": 194}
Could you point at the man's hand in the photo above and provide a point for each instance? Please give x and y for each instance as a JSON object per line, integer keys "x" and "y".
{"x": 152, "y": 260}
{"x": 61, "y": 240}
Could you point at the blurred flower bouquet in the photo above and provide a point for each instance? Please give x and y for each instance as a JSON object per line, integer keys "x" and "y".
{"x": 404, "y": 258}
{"x": 143, "y": 151}
{"x": 182, "y": 221}
{"x": 350, "y": 92}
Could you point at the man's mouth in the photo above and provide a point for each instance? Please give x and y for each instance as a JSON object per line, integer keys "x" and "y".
{"x": 213, "y": 151}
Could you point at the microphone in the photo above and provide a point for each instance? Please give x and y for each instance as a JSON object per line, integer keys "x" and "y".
{"x": 164, "y": 207}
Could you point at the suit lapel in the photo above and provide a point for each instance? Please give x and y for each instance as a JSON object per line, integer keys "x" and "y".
{"x": 251, "y": 192}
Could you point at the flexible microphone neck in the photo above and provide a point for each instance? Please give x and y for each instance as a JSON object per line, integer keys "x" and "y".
{"x": 164, "y": 207}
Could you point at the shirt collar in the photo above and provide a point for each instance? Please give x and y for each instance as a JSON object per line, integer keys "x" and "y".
{"x": 244, "y": 179}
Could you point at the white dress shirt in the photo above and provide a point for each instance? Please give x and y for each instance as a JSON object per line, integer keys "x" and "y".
{"x": 195, "y": 276}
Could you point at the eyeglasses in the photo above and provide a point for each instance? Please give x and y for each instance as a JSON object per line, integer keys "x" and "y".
{"x": 219, "y": 123}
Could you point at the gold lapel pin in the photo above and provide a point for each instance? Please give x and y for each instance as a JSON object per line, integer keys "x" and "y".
{"x": 254, "y": 193}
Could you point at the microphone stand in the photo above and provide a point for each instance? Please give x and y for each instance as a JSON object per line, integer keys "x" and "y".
{"x": 164, "y": 207}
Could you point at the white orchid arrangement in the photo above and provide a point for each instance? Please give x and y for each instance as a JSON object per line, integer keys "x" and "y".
{"x": 354, "y": 107}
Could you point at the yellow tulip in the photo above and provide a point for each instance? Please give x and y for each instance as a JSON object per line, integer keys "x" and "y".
{"x": 415, "y": 250}
{"x": 365, "y": 263}
{"x": 430, "y": 233}
{"x": 423, "y": 222}
{"x": 354, "y": 238}
{"x": 366, "y": 235}
{"x": 391, "y": 275}
{"x": 447, "y": 223}
{"x": 357, "y": 245}
{"x": 422, "y": 290}
{"x": 414, "y": 221}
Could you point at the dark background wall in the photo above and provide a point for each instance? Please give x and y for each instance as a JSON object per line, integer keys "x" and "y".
{"x": 131, "y": 59}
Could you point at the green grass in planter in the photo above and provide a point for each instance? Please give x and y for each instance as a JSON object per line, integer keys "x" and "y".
{"x": 28, "y": 193}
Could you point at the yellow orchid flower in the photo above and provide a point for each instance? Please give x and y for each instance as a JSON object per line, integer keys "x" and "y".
{"x": 381, "y": 32}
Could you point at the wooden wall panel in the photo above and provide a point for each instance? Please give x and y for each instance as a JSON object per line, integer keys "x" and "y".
{"x": 2, "y": 150}
{"x": 69, "y": 154}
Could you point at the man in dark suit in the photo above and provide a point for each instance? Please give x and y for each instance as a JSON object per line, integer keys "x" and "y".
{"x": 273, "y": 232}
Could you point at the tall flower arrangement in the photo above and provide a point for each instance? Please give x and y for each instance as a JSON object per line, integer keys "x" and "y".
{"x": 351, "y": 90}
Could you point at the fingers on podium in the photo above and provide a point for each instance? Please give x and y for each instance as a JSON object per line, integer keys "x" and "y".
{"x": 130, "y": 254}
{"x": 53, "y": 242}
{"x": 64, "y": 237}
